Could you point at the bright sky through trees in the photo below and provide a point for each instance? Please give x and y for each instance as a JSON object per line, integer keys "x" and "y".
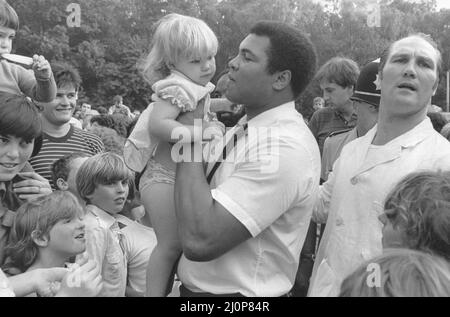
{"x": 441, "y": 4}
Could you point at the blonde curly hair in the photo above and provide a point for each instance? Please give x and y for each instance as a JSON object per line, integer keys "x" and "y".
{"x": 420, "y": 207}
{"x": 399, "y": 273}
{"x": 177, "y": 36}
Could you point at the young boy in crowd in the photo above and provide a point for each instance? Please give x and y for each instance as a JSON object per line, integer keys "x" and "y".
{"x": 102, "y": 182}
{"x": 64, "y": 171}
{"x": 37, "y": 84}
{"x": 416, "y": 213}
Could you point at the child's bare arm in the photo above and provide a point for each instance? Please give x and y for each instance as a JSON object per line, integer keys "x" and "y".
{"x": 163, "y": 124}
{"x": 38, "y": 281}
{"x": 41, "y": 85}
{"x": 45, "y": 83}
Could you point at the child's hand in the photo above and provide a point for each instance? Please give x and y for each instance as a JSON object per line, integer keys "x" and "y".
{"x": 187, "y": 118}
{"x": 213, "y": 129}
{"x": 41, "y": 67}
{"x": 82, "y": 281}
{"x": 46, "y": 280}
{"x": 31, "y": 186}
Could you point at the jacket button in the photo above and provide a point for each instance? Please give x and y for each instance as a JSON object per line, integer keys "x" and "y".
{"x": 354, "y": 180}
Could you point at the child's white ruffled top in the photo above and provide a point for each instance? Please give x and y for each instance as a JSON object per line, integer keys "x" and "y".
{"x": 180, "y": 91}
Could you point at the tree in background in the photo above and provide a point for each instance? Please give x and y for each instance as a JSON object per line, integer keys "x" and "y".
{"x": 114, "y": 35}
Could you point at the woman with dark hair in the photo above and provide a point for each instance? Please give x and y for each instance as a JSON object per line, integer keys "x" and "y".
{"x": 20, "y": 139}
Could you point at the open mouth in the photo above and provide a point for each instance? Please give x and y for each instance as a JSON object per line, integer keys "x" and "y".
{"x": 80, "y": 236}
{"x": 407, "y": 86}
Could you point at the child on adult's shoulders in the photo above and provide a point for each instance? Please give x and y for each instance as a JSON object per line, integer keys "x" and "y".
{"x": 38, "y": 83}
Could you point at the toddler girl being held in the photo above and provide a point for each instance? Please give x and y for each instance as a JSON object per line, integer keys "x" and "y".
{"x": 180, "y": 65}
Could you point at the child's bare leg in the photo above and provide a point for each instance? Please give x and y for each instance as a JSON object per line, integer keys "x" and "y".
{"x": 158, "y": 200}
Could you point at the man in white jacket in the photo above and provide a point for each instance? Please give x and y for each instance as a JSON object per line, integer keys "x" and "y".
{"x": 403, "y": 141}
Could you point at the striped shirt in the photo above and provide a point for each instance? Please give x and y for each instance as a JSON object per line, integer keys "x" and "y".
{"x": 53, "y": 148}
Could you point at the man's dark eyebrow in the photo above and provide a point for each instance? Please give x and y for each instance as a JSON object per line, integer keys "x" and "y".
{"x": 246, "y": 50}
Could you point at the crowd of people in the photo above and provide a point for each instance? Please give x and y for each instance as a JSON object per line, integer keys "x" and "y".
{"x": 183, "y": 201}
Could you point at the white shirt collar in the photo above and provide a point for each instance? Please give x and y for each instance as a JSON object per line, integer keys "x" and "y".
{"x": 106, "y": 218}
{"x": 409, "y": 138}
{"x": 270, "y": 116}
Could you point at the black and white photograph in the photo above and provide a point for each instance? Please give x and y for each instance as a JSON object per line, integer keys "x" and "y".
{"x": 225, "y": 154}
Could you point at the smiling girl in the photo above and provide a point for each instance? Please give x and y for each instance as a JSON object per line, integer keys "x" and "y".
{"x": 47, "y": 232}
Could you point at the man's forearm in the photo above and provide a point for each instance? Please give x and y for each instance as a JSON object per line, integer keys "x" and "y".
{"x": 203, "y": 222}
{"x": 193, "y": 201}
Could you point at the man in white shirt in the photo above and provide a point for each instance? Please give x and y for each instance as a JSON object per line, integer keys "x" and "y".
{"x": 402, "y": 142}
{"x": 242, "y": 234}
{"x": 76, "y": 123}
